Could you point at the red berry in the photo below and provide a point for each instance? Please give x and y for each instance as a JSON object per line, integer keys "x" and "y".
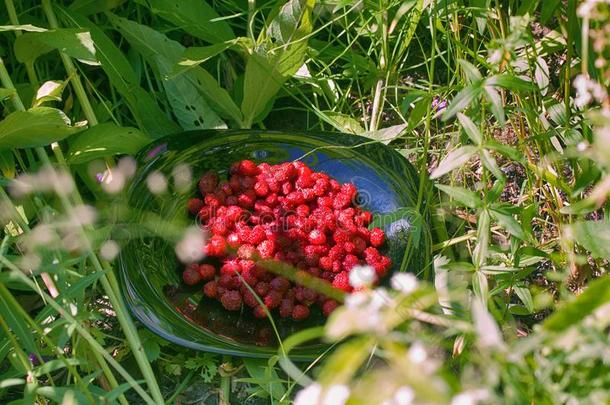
{"x": 377, "y": 237}
{"x": 231, "y": 300}
{"x": 329, "y": 306}
{"x": 261, "y": 188}
{"x": 273, "y": 299}
{"x": 266, "y": 249}
{"x": 261, "y": 288}
{"x": 207, "y": 272}
{"x": 257, "y": 235}
{"x": 316, "y": 237}
{"x": 286, "y": 308}
{"x": 248, "y": 168}
{"x": 300, "y": 312}
{"x": 230, "y": 267}
{"x": 341, "y": 281}
{"x": 210, "y": 289}
{"x": 280, "y": 284}
{"x": 208, "y": 183}
{"x": 246, "y": 251}
{"x": 233, "y": 240}
{"x": 260, "y": 312}
{"x": 191, "y": 275}
{"x": 194, "y": 205}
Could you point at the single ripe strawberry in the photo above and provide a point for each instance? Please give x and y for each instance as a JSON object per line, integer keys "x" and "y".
{"x": 300, "y": 312}
{"x": 261, "y": 188}
{"x": 280, "y": 284}
{"x": 377, "y": 237}
{"x": 207, "y": 272}
{"x": 341, "y": 281}
{"x": 262, "y": 288}
{"x": 266, "y": 249}
{"x": 329, "y": 306}
{"x": 194, "y": 205}
{"x": 231, "y": 300}
{"x": 230, "y": 267}
{"x": 273, "y": 299}
{"x": 191, "y": 275}
{"x": 248, "y": 168}
{"x": 260, "y": 312}
{"x": 208, "y": 183}
{"x": 210, "y": 289}
{"x": 316, "y": 237}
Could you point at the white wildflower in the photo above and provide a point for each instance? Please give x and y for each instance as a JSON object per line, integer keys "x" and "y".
{"x": 417, "y": 353}
{"x": 488, "y": 333}
{"x": 109, "y": 250}
{"x": 127, "y": 165}
{"x": 402, "y": 396}
{"x": 190, "y": 248}
{"x": 113, "y": 181}
{"x": 362, "y": 312}
{"x": 315, "y": 394}
{"x": 183, "y": 176}
{"x": 362, "y": 276}
{"x": 588, "y": 90}
{"x": 406, "y": 283}
{"x": 156, "y": 182}
{"x": 471, "y": 397}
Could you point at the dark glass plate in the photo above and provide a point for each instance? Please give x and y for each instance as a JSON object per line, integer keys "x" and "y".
{"x": 151, "y": 275}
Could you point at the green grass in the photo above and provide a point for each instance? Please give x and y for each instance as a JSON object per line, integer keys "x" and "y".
{"x": 488, "y": 98}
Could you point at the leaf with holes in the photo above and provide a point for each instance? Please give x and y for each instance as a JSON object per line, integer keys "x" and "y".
{"x": 188, "y": 105}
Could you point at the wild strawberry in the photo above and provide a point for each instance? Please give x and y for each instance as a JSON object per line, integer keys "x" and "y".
{"x": 216, "y": 246}
{"x": 377, "y": 237}
{"x": 341, "y": 201}
{"x": 326, "y": 263}
{"x": 273, "y": 299}
{"x": 204, "y": 214}
{"x": 248, "y": 168}
{"x": 300, "y": 312}
{"x": 257, "y": 235}
{"x": 261, "y": 188}
{"x": 286, "y": 188}
{"x": 280, "y": 284}
{"x": 316, "y": 237}
{"x": 230, "y": 267}
{"x": 262, "y": 288}
{"x": 341, "y": 281}
{"x": 191, "y": 275}
{"x": 233, "y": 240}
{"x": 249, "y": 298}
{"x": 210, "y": 289}
{"x": 305, "y": 295}
{"x": 260, "y": 312}
{"x": 286, "y": 308}
{"x": 208, "y": 183}
{"x": 329, "y": 306}
{"x": 194, "y": 205}
{"x": 349, "y": 262}
{"x": 266, "y": 249}
{"x": 246, "y": 251}
{"x": 207, "y": 272}
{"x": 231, "y": 300}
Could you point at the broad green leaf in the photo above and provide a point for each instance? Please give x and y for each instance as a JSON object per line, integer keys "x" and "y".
{"x": 480, "y": 286}
{"x": 265, "y": 376}
{"x": 462, "y": 100}
{"x": 88, "y": 7}
{"x": 548, "y": 9}
{"x": 483, "y": 228}
{"x": 188, "y": 105}
{"x": 464, "y": 197}
{"x": 38, "y": 126}
{"x": 148, "y": 115}
{"x": 284, "y": 27}
{"x": 105, "y": 140}
{"x": 525, "y": 296}
{"x": 267, "y": 70}
{"x": 593, "y": 236}
{"x": 490, "y": 164}
{"x": 342, "y": 122}
{"x": 196, "y": 17}
{"x": 25, "y": 27}
{"x": 497, "y": 108}
{"x": 470, "y": 71}
{"x": 505, "y": 150}
{"x": 7, "y": 163}
{"x": 509, "y": 82}
{"x": 470, "y": 128}
{"x": 596, "y": 295}
{"x": 195, "y": 56}
{"x": 16, "y": 323}
{"x": 507, "y": 222}
{"x": 75, "y": 42}
{"x": 386, "y": 135}
{"x": 49, "y": 91}
{"x": 453, "y": 160}
{"x": 6, "y": 93}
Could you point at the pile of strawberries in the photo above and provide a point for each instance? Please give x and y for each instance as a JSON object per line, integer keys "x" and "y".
{"x": 284, "y": 212}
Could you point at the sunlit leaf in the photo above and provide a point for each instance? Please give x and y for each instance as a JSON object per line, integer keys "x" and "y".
{"x": 105, "y": 140}
{"x": 453, "y": 160}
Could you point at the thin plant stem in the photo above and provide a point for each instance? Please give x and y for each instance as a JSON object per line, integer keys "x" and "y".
{"x": 29, "y": 66}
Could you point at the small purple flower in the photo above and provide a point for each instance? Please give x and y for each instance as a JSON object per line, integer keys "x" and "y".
{"x": 438, "y": 104}
{"x": 156, "y": 150}
{"x": 34, "y": 359}
{"x": 99, "y": 177}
